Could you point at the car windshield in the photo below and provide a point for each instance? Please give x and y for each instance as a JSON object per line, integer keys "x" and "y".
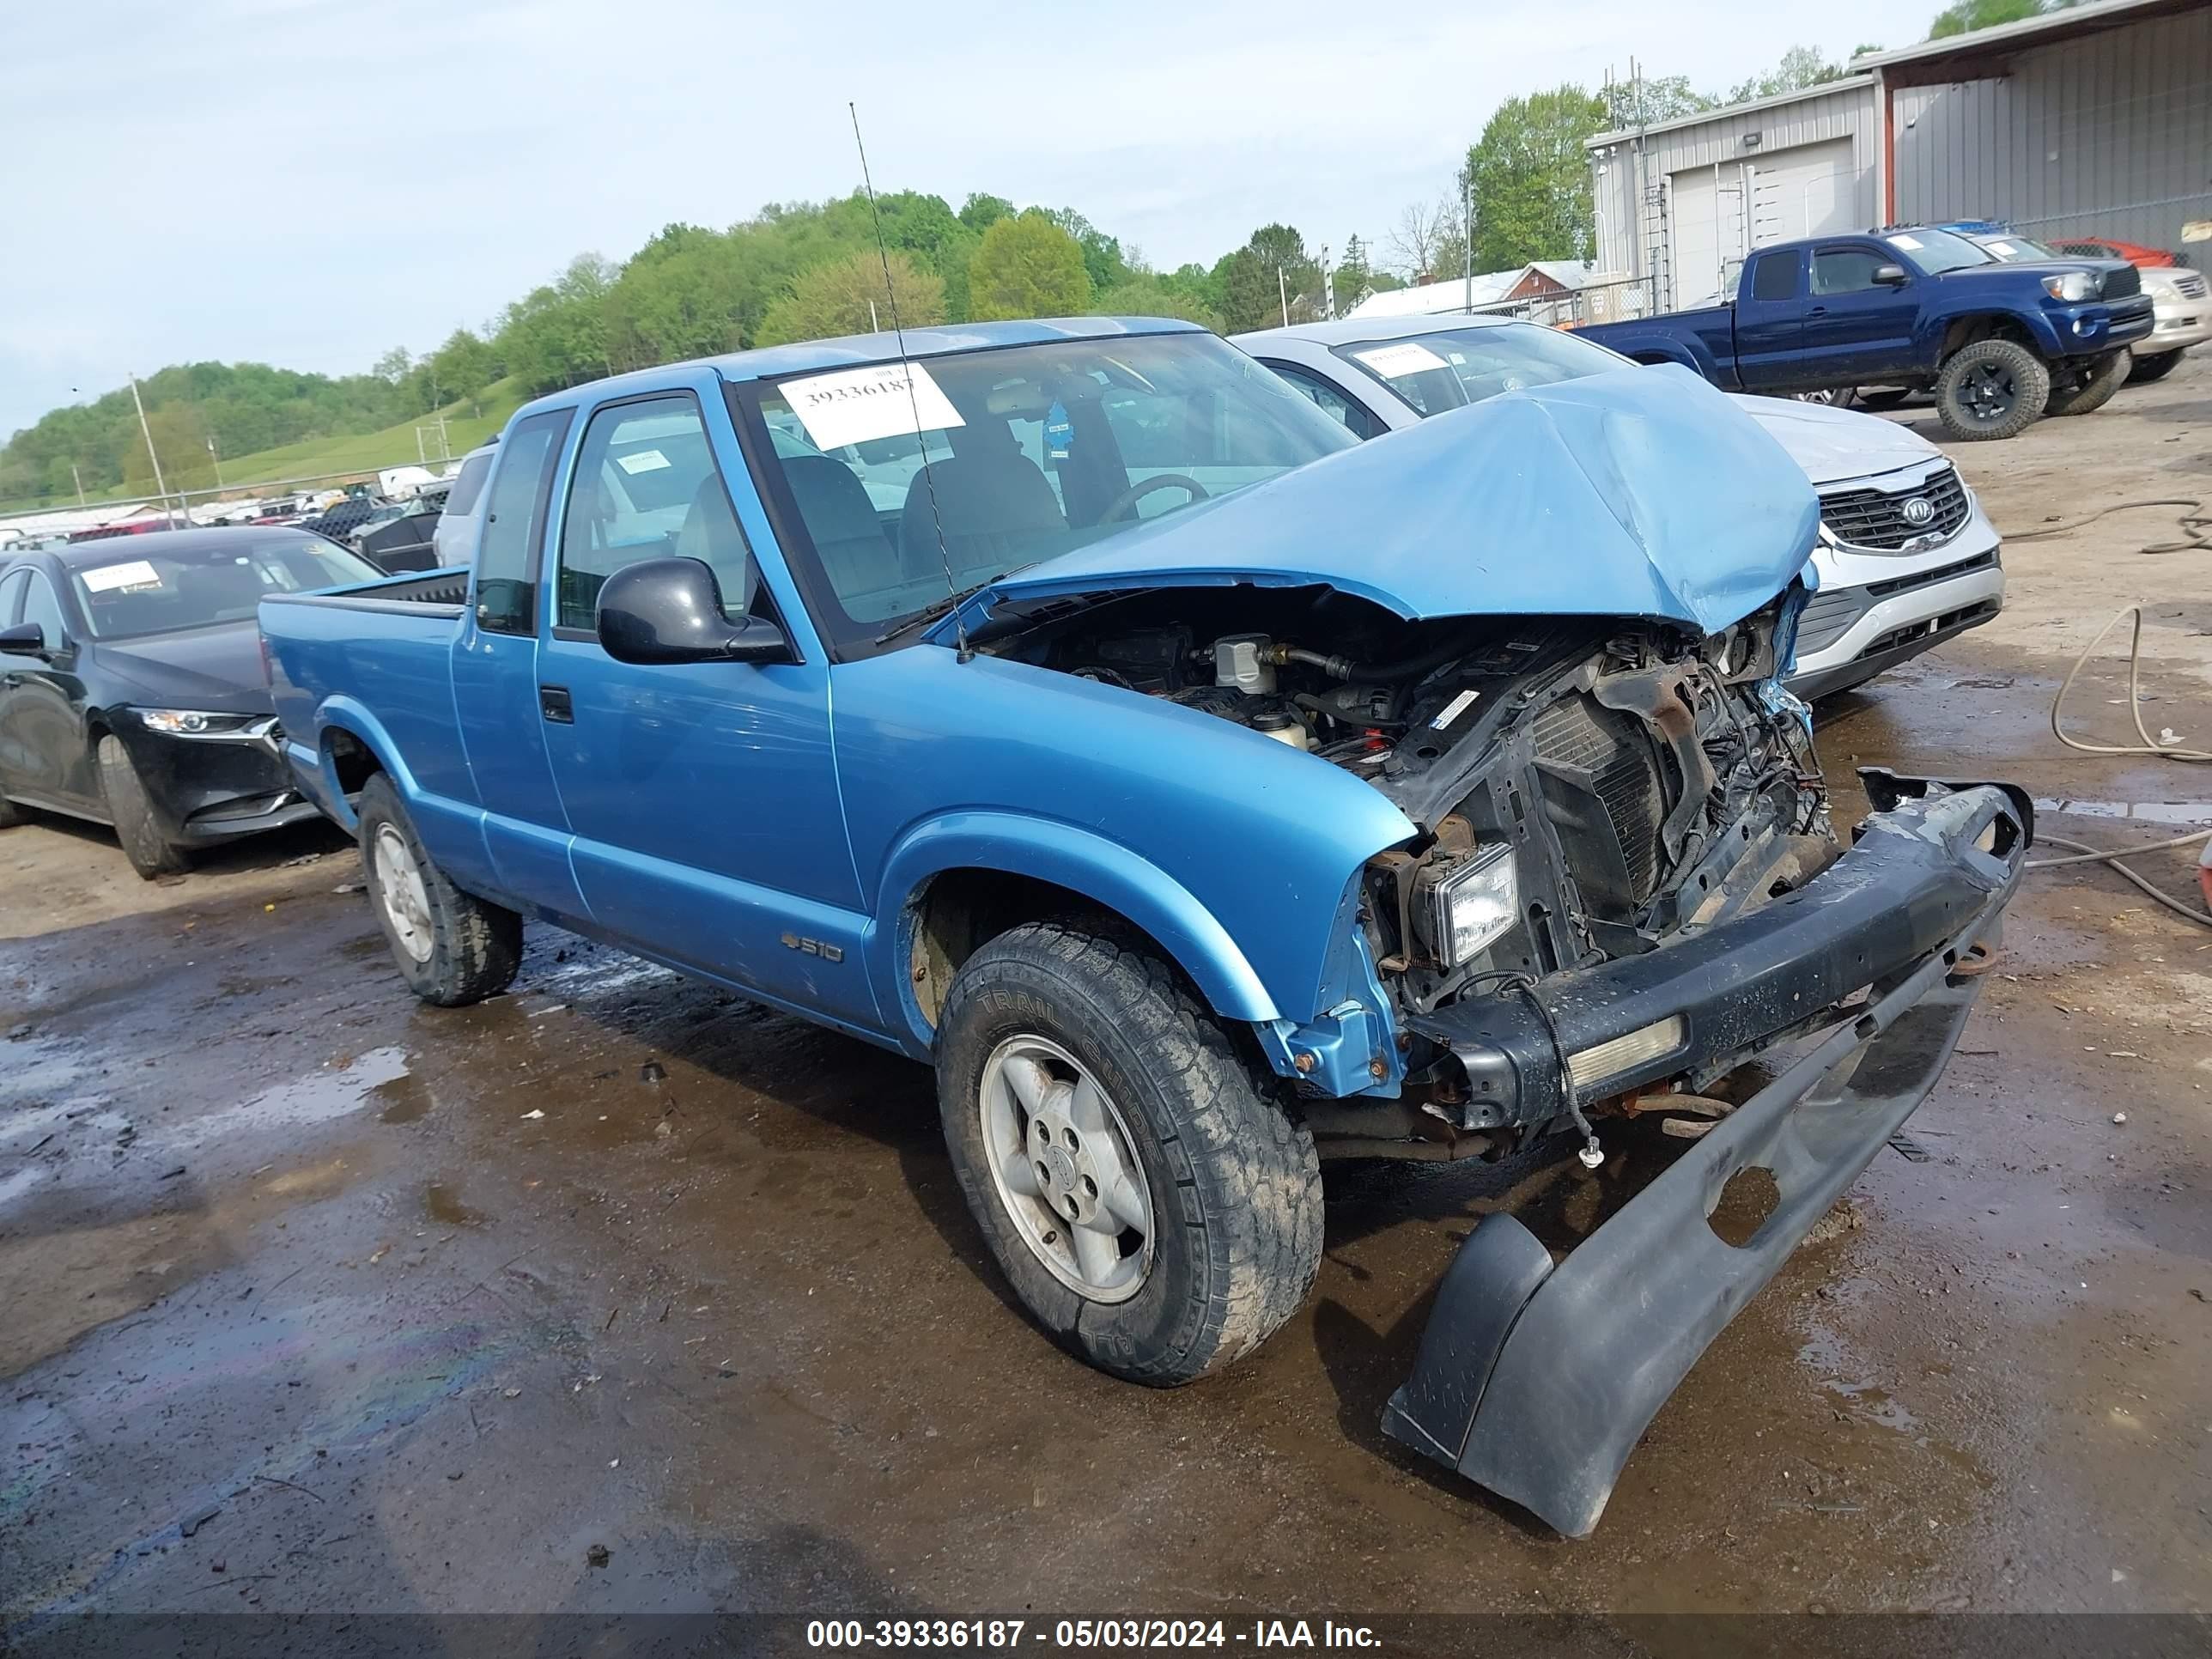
{"x": 916, "y": 481}
{"x": 1937, "y": 250}
{"x": 2011, "y": 249}
{"x": 1439, "y": 370}
{"x": 195, "y": 578}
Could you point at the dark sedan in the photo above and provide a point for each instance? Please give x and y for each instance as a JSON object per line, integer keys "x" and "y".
{"x": 131, "y": 687}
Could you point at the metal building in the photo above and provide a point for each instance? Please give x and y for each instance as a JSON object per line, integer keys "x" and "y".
{"x": 2092, "y": 121}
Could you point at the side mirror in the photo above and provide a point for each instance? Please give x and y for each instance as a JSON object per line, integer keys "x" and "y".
{"x": 25, "y": 640}
{"x": 668, "y": 610}
{"x": 1889, "y": 276}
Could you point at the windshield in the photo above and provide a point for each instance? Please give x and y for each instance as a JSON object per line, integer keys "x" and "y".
{"x": 198, "y": 578}
{"x": 1936, "y": 251}
{"x": 2010, "y": 249}
{"x": 1438, "y": 370}
{"x": 1022, "y": 454}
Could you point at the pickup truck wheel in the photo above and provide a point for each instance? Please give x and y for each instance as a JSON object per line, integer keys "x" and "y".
{"x": 152, "y": 855}
{"x": 1991, "y": 389}
{"x": 2151, "y": 366}
{"x": 452, "y": 948}
{"x": 2094, "y": 389}
{"x": 1147, "y": 1196}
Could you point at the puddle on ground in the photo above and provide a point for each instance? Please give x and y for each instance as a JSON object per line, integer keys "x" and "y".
{"x": 403, "y": 1099}
{"x": 442, "y": 1203}
{"x": 2143, "y": 811}
{"x": 335, "y": 1091}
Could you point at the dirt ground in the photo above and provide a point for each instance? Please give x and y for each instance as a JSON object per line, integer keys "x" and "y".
{"x": 314, "y": 1300}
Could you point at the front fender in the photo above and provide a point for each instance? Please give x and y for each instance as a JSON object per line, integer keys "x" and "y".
{"x": 1068, "y": 857}
{"x": 451, "y": 831}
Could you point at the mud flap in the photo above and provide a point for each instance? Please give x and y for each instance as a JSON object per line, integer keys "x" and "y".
{"x": 1537, "y": 1381}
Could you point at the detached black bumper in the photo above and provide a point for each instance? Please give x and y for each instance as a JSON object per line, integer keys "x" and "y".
{"x": 1537, "y": 1381}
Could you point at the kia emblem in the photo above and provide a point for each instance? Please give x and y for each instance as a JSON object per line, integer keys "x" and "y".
{"x": 1919, "y": 510}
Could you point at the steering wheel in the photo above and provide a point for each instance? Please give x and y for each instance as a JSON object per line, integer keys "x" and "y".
{"x": 1136, "y": 492}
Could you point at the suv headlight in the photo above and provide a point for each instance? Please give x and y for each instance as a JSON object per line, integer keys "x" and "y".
{"x": 194, "y": 723}
{"x": 2074, "y": 287}
{"x": 1471, "y": 906}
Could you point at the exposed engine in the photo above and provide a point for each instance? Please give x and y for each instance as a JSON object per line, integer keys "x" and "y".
{"x": 1659, "y": 778}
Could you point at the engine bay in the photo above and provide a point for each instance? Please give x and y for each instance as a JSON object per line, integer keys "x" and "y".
{"x": 1646, "y": 777}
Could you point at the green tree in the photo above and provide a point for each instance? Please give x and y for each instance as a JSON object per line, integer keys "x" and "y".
{"x": 1531, "y": 178}
{"x": 1027, "y": 266}
{"x": 1654, "y": 98}
{"x": 1145, "y": 294}
{"x": 980, "y": 212}
{"x": 1801, "y": 67}
{"x": 1967, "y": 15}
{"x": 835, "y": 298}
{"x": 556, "y": 335}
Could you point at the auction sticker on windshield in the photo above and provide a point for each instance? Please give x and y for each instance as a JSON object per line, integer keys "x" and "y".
{"x": 109, "y": 577}
{"x": 1395, "y": 363}
{"x": 853, "y": 406}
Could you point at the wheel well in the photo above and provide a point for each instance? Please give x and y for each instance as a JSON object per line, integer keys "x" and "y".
{"x": 1970, "y": 331}
{"x": 352, "y": 761}
{"x": 957, "y": 912}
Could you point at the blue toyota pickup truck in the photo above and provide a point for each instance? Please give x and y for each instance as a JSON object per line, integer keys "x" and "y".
{"x": 1076, "y": 709}
{"x": 2000, "y": 345}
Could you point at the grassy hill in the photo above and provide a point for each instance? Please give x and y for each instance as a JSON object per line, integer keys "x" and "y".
{"x": 469, "y": 421}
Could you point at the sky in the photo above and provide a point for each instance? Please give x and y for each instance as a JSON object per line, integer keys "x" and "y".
{"x": 309, "y": 183}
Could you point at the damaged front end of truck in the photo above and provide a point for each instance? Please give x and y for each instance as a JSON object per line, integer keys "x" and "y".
{"x": 1552, "y": 630}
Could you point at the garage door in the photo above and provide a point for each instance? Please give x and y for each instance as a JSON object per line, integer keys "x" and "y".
{"x": 1809, "y": 191}
{"x": 1705, "y": 209}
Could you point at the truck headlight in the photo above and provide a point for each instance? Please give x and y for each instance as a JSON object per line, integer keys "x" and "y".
{"x": 193, "y": 723}
{"x": 1474, "y": 904}
{"x": 2074, "y": 287}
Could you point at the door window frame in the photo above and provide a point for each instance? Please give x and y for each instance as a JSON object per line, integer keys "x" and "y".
{"x": 526, "y": 622}
{"x": 1365, "y": 424}
{"x": 39, "y": 579}
{"x": 14, "y": 585}
{"x": 591, "y": 636}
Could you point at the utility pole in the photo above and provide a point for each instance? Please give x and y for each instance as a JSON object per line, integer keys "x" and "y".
{"x": 216, "y": 460}
{"x": 874, "y": 327}
{"x": 1327, "y": 295}
{"x": 1467, "y": 225}
{"x": 78, "y": 479}
{"x": 1283, "y": 295}
{"x": 146, "y": 432}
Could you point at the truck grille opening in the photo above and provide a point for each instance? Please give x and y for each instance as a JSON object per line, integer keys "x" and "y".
{"x": 2123, "y": 283}
{"x": 1877, "y": 518}
{"x": 1606, "y": 799}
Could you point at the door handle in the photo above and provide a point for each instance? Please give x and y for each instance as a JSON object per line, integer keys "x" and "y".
{"x": 555, "y": 703}
{"x": 1817, "y": 310}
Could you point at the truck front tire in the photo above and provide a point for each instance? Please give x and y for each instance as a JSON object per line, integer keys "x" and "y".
{"x": 451, "y": 948}
{"x": 1991, "y": 389}
{"x": 2093, "y": 388}
{"x": 1135, "y": 1178}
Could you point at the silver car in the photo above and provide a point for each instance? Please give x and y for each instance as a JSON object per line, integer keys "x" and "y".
{"x": 1906, "y": 558}
{"x": 461, "y": 522}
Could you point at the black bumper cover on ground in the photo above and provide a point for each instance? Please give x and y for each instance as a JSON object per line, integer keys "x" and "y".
{"x": 1537, "y": 1381}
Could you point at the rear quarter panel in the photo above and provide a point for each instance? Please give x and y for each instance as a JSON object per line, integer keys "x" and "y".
{"x": 382, "y": 672}
{"x": 1704, "y": 340}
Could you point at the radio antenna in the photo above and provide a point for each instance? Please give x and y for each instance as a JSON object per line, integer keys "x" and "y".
{"x": 913, "y": 398}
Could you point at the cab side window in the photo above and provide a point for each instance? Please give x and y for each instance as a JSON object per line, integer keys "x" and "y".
{"x": 1845, "y": 269}
{"x": 1775, "y": 277}
{"x": 42, "y": 606}
{"x": 645, "y": 487}
{"x": 1330, "y": 401}
{"x": 514, "y": 523}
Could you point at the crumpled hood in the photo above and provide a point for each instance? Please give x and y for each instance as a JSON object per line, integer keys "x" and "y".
{"x": 1639, "y": 492}
{"x": 1833, "y": 445}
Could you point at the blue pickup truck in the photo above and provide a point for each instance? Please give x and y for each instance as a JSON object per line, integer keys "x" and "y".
{"x": 1076, "y": 709}
{"x": 2001, "y": 345}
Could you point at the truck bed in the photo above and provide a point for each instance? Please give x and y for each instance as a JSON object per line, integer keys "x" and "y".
{"x": 434, "y": 591}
